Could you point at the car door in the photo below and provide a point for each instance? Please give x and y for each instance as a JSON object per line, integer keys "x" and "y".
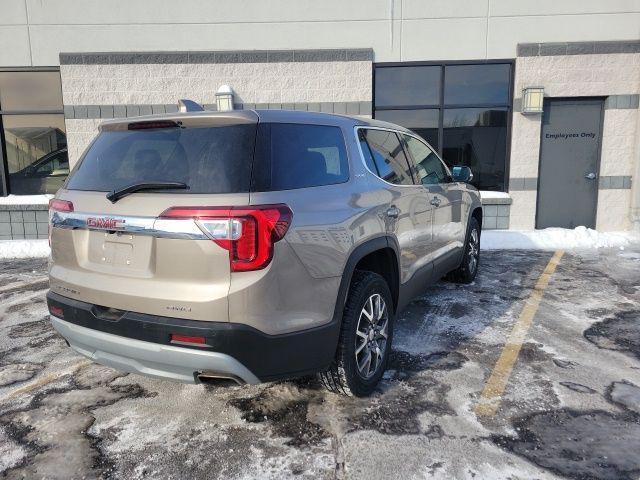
{"x": 406, "y": 212}
{"x": 446, "y": 200}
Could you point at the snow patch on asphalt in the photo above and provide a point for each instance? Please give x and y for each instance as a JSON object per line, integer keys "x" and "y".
{"x": 24, "y": 249}
{"x": 556, "y": 238}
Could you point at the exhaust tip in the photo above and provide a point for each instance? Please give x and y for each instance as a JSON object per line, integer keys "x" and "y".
{"x": 218, "y": 379}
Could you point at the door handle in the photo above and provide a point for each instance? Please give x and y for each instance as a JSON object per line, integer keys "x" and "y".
{"x": 590, "y": 176}
{"x": 435, "y": 201}
{"x": 393, "y": 212}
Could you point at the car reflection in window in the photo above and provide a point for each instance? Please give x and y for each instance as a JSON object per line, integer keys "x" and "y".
{"x": 46, "y": 175}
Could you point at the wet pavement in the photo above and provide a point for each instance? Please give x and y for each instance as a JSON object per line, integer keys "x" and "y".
{"x": 571, "y": 407}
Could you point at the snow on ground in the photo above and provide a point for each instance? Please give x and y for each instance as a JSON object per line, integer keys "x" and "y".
{"x": 489, "y": 195}
{"x": 556, "y": 238}
{"x": 26, "y": 200}
{"x": 24, "y": 249}
{"x": 547, "y": 239}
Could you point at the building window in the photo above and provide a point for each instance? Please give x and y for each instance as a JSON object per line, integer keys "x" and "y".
{"x": 461, "y": 108}
{"x": 32, "y": 132}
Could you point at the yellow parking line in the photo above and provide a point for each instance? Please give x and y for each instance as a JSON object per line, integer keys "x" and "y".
{"x": 495, "y": 385}
{"x": 45, "y": 380}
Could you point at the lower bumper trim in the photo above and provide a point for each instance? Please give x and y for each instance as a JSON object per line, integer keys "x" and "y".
{"x": 150, "y": 359}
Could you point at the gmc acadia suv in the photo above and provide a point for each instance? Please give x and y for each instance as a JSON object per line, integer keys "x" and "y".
{"x": 254, "y": 245}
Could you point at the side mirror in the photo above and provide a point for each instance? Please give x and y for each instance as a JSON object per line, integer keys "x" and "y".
{"x": 462, "y": 174}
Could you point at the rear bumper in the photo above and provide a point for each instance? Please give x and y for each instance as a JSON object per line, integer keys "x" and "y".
{"x": 141, "y": 343}
{"x": 151, "y": 359}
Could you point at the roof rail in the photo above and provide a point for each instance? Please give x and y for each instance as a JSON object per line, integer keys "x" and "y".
{"x": 185, "y": 105}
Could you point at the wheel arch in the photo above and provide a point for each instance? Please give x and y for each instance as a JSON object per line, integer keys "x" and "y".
{"x": 379, "y": 255}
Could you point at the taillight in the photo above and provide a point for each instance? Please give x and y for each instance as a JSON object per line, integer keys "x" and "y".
{"x": 56, "y": 311}
{"x": 56, "y": 205}
{"x": 248, "y": 233}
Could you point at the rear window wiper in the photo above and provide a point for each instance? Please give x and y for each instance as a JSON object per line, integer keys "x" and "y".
{"x": 116, "y": 194}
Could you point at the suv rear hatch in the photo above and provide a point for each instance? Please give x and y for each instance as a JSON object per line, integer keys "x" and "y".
{"x": 140, "y": 251}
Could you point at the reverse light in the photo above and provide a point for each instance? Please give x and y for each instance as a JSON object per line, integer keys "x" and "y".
{"x": 248, "y": 233}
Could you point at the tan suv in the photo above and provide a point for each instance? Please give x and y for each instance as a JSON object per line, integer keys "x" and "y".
{"x": 254, "y": 245}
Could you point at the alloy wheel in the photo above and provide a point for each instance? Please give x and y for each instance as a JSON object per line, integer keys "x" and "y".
{"x": 371, "y": 335}
{"x": 473, "y": 250}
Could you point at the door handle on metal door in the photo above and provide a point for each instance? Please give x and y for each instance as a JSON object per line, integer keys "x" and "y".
{"x": 590, "y": 176}
{"x": 435, "y": 201}
{"x": 393, "y": 212}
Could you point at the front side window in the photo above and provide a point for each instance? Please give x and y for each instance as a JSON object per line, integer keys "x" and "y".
{"x": 290, "y": 156}
{"x": 388, "y": 156}
{"x": 429, "y": 169}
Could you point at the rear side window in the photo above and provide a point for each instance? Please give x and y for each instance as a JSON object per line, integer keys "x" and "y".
{"x": 386, "y": 153}
{"x": 208, "y": 160}
{"x": 290, "y": 156}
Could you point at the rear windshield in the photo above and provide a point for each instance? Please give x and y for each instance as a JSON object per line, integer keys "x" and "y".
{"x": 208, "y": 160}
{"x": 216, "y": 160}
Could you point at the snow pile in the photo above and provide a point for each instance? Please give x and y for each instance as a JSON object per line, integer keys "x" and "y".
{"x": 490, "y": 195}
{"x": 26, "y": 200}
{"x": 24, "y": 249}
{"x": 555, "y": 239}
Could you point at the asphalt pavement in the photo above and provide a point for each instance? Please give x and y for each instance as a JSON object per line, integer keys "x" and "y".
{"x": 532, "y": 371}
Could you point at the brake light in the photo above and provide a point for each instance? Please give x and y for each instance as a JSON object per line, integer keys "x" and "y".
{"x": 152, "y": 124}
{"x": 248, "y": 233}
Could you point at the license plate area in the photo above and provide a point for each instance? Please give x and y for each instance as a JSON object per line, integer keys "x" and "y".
{"x": 120, "y": 252}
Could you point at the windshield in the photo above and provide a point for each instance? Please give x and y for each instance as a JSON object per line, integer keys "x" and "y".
{"x": 208, "y": 160}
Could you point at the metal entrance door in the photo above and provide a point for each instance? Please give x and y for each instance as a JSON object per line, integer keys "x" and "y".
{"x": 569, "y": 163}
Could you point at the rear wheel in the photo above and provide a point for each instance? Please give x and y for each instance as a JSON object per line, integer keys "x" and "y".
{"x": 468, "y": 269}
{"x": 365, "y": 338}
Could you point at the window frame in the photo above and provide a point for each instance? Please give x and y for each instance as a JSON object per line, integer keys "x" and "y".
{"x": 441, "y": 106}
{"x": 357, "y": 129}
{"x": 4, "y": 166}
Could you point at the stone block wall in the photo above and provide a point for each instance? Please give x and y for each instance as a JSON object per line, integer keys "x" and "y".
{"x": 580, "y": 69}
{"x": 24, "y": 222}
{"x": 96, "y": 86}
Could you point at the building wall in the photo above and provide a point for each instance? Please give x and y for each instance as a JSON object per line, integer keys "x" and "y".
{"x": 34, "y": 32}
{"x": 99, "y": 86}
{"x": 562, "y": 74}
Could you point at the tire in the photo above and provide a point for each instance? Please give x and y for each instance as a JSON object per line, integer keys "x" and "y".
{"x": 344, "y": 376}
{"x": 468, "y": 269}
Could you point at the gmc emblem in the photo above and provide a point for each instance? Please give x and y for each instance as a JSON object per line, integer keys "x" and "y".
{"x": 105, "y": 223}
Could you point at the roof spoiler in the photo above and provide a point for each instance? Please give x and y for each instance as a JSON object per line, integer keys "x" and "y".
{"x": 185, "y": 105}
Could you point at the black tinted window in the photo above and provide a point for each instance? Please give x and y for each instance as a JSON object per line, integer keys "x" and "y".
{"x": 388, "y": 156}
{"x": 477, "y": 138}
{"x": 292, "y": 156}
{"x": 208, "y": 160}
{"x": 407, "y": 86}
{"x": 476, "y": 84}
{"x": 428, "y": 167}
